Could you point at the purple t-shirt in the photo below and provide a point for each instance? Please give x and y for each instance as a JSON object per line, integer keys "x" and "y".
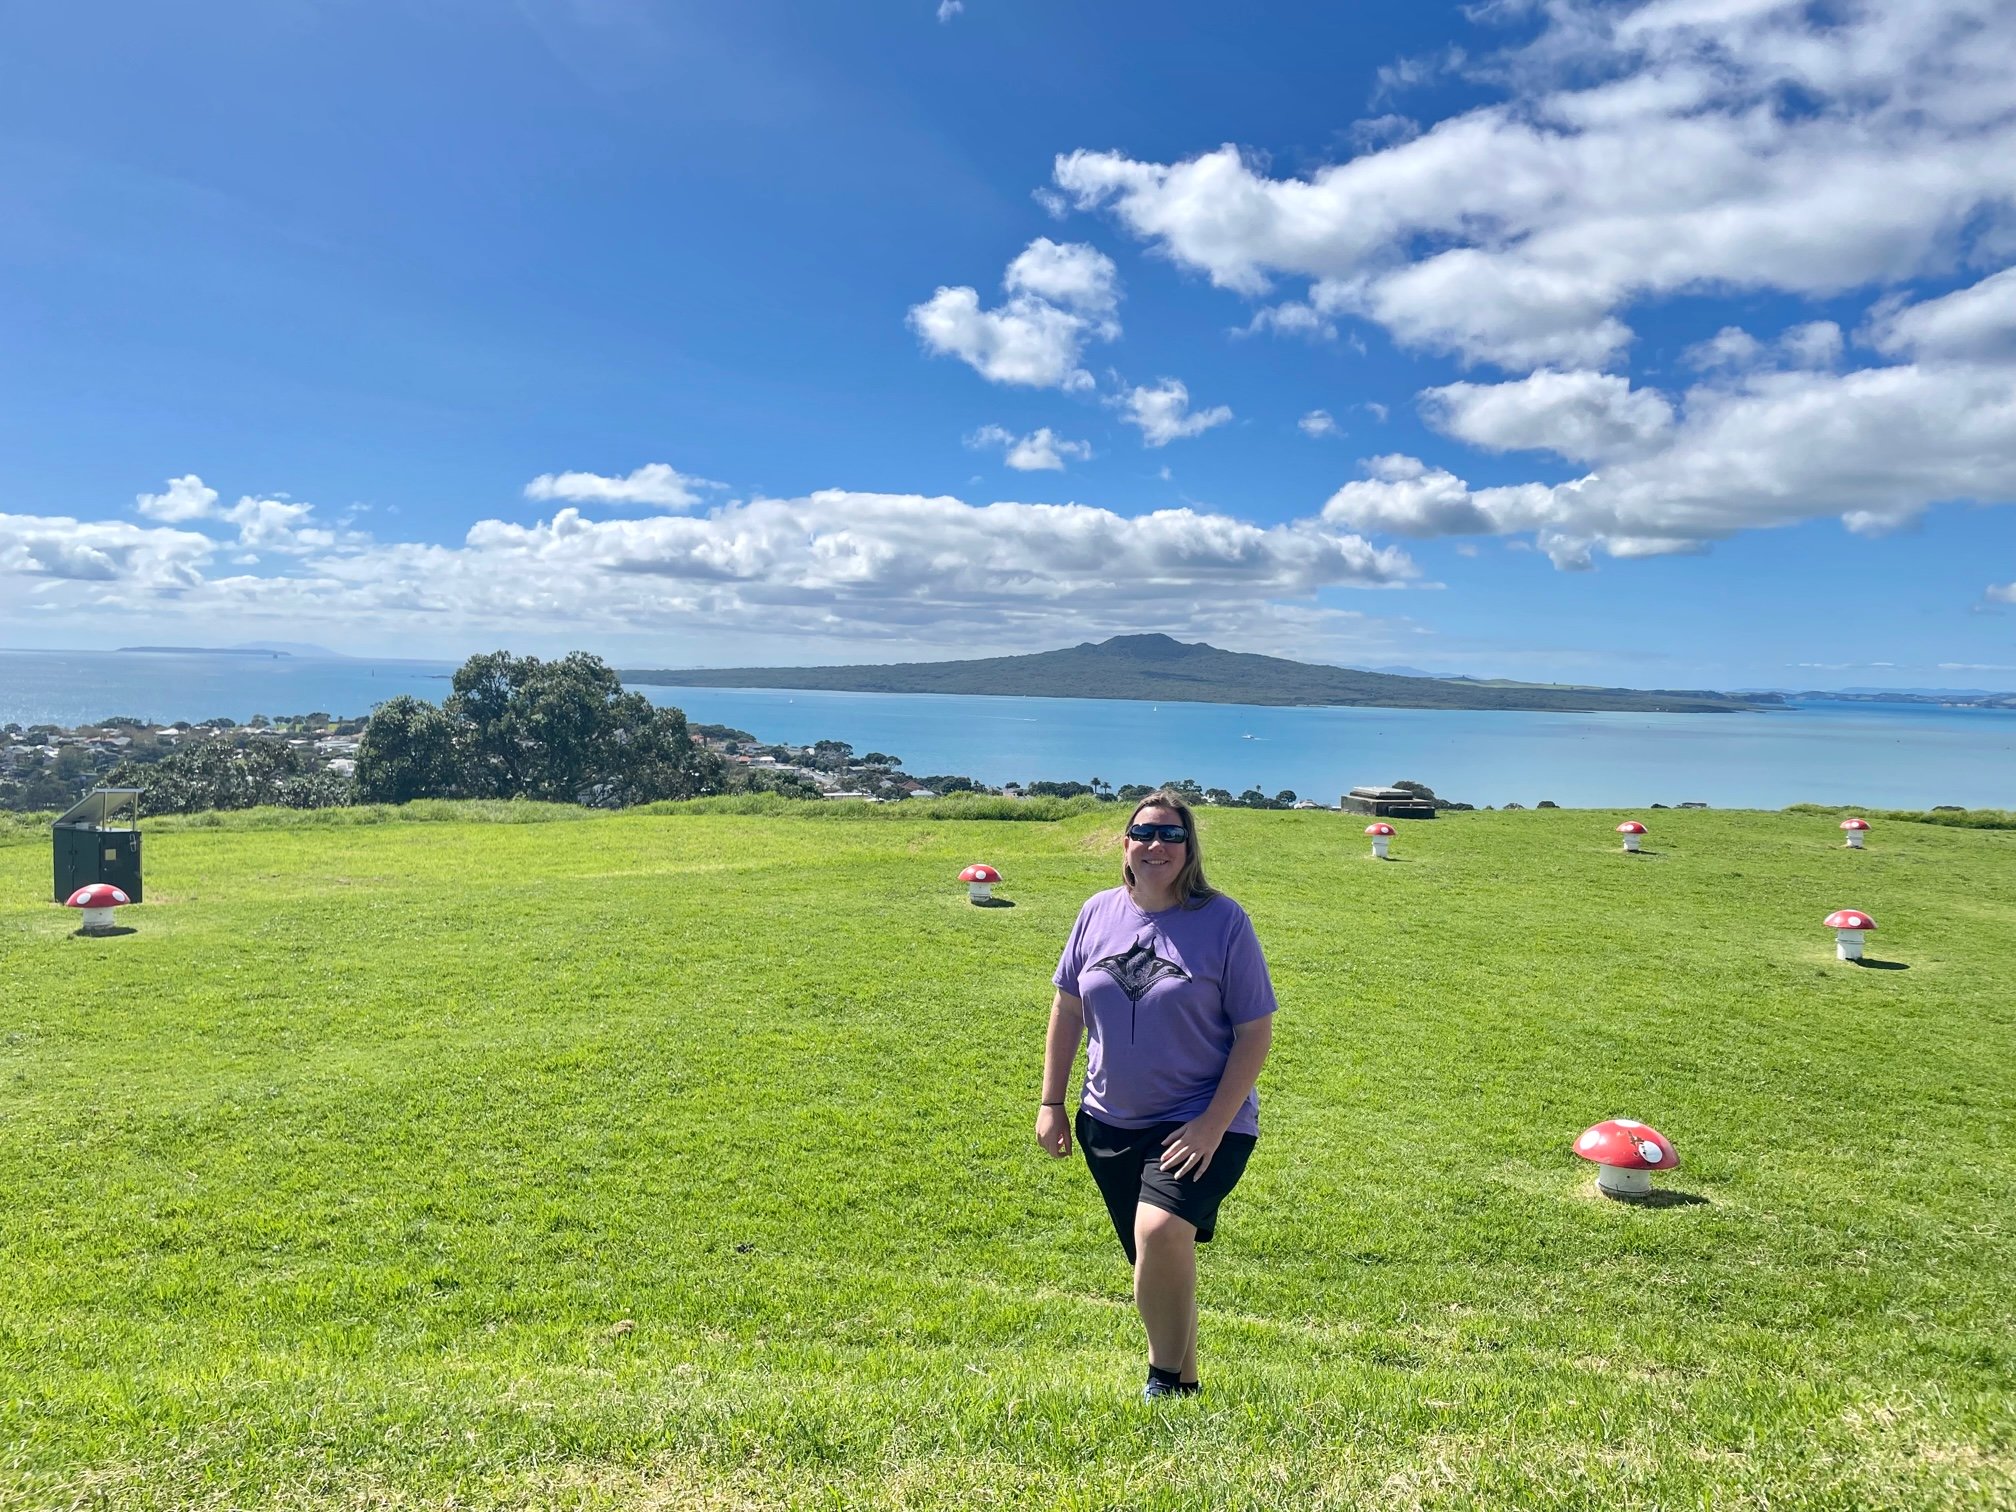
{"x": 1162, "y": 992}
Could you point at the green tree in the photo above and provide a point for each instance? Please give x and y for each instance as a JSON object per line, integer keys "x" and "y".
{"x": 565, "y": 732}
{"x": 407, "y": 751}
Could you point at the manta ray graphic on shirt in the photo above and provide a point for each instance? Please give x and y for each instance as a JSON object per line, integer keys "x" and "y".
{"x": 1136, "y": 969}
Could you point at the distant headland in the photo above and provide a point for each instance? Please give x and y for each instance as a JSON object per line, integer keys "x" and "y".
{"x": 200, "y": 651}
{"x": 1157, "y": 668}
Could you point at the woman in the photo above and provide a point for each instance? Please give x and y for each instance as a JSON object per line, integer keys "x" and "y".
{"x": 1165, "y": 976}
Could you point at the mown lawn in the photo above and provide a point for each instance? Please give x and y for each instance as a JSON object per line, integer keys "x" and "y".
{"x": 336, "y": 1182}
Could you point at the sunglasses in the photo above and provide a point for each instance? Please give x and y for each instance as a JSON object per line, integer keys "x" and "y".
{"x": 1168, "y": 834}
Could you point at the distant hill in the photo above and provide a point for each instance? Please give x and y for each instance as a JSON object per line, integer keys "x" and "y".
{"x": 1156, "y": 668}
{"x": 200, "y": 651}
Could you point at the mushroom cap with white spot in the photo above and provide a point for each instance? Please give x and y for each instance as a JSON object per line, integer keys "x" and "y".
{"x": 96, "y": 895}
{"x": 1848, "y": 918}
{"x": 1628, "y": 1145}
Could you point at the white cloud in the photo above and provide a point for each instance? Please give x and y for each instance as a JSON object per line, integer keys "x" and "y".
{"x": 1290, "y": 319}
{"x": 1065, "y": 273}
{"x": 1162, "y": 411}
{"x": 1319, "y": 423}
{"x": 1580, "y": 415}
{"x": 1376, "y": 410}
{"x": 1730, "y": 349}
{"x": 47, "y": 550}
{"x": 1405, "y": 496}
{"x": 947, "y": 9}
{"x": 1874, "y": 447}
{"x": 1816, "y": 344}
{"x": 1383, "y": 131}
{"x": 655, "y": 484}
{"x": 1060, "y": 296}
{"x": 184, "y": 499}
{"x": 278, "y": 525}
{"x": 1972, "y": 323}
{"x": 835, "y": 564}
{"x": 1646, "y": 151}
{"x": 1042, "y": 450}
{"x": 2002, "y": 593}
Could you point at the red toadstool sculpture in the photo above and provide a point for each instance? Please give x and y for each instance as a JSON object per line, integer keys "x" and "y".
{"x": 97, "y": 900}
{"x": 1626, "y": 1153}
{"x": 1849, "y": 925}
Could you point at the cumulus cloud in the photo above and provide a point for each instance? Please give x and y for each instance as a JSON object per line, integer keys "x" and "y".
{"x": 1580, "y": 415}
{"x": 1319, "y": 423}
{"x": 1042, "y": 450}
{"x": 1645, "y": 151}
{"x": 184, "y": 498}
{"x": 1162, "y": 412}
{"x": 847, "y": 565}
{"x": 1815, "y": 344}
{"x": 1976, "y": 323}
{"x": 1059, "y": 297}
{"x": 947, "y": 9}
{"x": 2002, "y": 593}
{"x": 1069, "y": 273}
{"x": 1290, "y": 319}
{"x": 655, "y": 484}
{"x": 278, "y": 525}
{"x": 1874, "y": 447}
{"x": 50, "y": 549}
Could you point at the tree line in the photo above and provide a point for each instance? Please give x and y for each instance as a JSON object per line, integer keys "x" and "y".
{"x": 559, "y": 731}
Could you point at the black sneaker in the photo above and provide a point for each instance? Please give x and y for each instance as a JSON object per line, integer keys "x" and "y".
{"x": 1155, "y": 1389}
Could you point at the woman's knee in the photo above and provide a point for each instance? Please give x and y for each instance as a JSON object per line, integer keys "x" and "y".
{"x": 1157, "y": 1228}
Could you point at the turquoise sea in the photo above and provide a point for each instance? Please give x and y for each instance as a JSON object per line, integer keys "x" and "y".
{"x": 1879, "y": 755}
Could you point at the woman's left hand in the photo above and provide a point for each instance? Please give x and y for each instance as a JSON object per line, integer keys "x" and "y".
{"x": 1188, "y": 1151}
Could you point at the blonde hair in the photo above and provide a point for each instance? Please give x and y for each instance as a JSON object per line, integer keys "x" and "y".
{"x": 1191, "y": 888}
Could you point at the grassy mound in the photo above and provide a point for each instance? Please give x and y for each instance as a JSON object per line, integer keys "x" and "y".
{"x": 685, "y": 1159}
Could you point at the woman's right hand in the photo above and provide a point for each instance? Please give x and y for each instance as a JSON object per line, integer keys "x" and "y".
{"x": 1053, "y": 1131}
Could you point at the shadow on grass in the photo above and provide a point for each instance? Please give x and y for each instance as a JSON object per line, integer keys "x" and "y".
{"x": 1870, "y": 963}
{"x": 1662, "y": 1197}
{"x": 106, "y": 933}
{"x": 992, "y": 902}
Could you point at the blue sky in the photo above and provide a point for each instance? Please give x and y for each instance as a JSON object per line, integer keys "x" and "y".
{"x": 1657, "y": 344}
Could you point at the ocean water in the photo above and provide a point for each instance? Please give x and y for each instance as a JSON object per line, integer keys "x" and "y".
{"x": 1882, "y": 756}
{"x": 76, "y": 687}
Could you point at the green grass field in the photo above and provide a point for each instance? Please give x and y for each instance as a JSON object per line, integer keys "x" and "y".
{"x": 335, "y": 1183}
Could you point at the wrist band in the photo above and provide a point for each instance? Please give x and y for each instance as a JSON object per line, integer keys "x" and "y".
{"x": 1057, "y": 1104}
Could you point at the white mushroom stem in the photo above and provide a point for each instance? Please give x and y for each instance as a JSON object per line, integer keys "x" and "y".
{"x": 1854, "y": 839}
{"x": 97, "y": 918}
{"x": 1848, "y": 944}
{"x": 1631, "y": 842}
{"x": 980, "y": 892}
{"x": 1622, "y": 1181}
{"x": 1379, "y": 844}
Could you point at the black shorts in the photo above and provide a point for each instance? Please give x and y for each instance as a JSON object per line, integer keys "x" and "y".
{"x": 1126, "y": 1164}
